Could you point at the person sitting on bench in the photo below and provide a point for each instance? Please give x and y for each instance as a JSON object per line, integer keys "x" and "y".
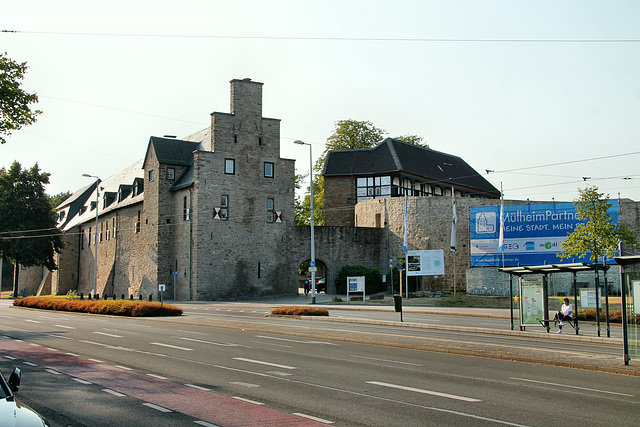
{"x": 565, "y": 313}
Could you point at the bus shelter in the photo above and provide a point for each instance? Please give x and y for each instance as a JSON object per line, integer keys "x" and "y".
{"x": 534, "y": 294}
{"x": 630, "y": 310}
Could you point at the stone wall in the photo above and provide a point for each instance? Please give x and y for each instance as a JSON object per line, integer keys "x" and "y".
{"x": 339, "y": 209}
{"x": 429, "y": 225}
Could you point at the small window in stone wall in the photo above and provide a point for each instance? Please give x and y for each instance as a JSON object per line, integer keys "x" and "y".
{"x": 138, "y": 225}
{"x": 268, "y": 170}
{"x": 185, "y": 209}
{"x": 171, "y": 174}
{"x": 229, "y": 166}
{"x": 271, "y": 210}
{"x": 224, "y": 207}
{"x": 152, "y": 175}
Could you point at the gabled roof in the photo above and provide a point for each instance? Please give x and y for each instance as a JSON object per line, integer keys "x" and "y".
{"x": 173, "y": 151}
{"x": 110, "y": 185}
{"x": 394, "y": 156}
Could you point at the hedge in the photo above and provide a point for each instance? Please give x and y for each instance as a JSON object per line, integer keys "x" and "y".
{"x": 112, "y": 307}
{"x": 298, "y": 310}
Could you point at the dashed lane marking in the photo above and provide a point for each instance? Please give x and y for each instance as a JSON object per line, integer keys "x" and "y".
{"x": 248, "y": 400}
{"x": 108, "y": 335}
{"x": 430, "y": 392}
{"x": 261, "y": 362}
{"x": 198, "y": 387}
{"x": 113, "y": 392}
{"x": 320, "y": 420}
{"x": 171, "y": 346}
{"x": 157, "y": 408}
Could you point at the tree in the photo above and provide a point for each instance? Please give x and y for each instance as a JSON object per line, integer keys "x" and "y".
{"x": 57, "y": 199}
{"x": 348, "y": 135}
{"x": 14, "y": 102}
{"x": 28, "y": 232}
{"x": 598, "y": 235}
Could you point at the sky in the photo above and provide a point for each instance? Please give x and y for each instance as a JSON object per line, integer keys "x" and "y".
{"x": 542, "y": 94}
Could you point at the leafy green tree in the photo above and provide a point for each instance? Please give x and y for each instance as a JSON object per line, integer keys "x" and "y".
{"x": 14, "y": 102}
{"x": 57, "y": 199}
{"x": 348, "y": 135}
{"x": 598, "y": 235}
{"x": 28, "y": 232}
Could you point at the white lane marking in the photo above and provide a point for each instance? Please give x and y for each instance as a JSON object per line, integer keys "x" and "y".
{"x": 171, "y": 346}
{"x": 297, "y": 341}
{"x": 157, "y": 376}
{"x": 108, "y": 335}
{"x": 78, "y": 380}
{"x": 65, "y": 326}
{"x": 320, "y": 420}
{"x": 248, "y": 400}
{"x": 51, "y": 371}
{"x": 191, "y": 332}
{"x": 123, "y": 367}
{"x": 72, "y": 354}
{"x": 157, "y": 408}
{"x": 430, "y": 392}
{"x": 248, "y": 385}
{"x": 205, "y": 424}
{"x": 574, "y": 387}
{"x": 385, "y": 360}
{"x": 221, "y": 344}
{"x": 260, "y": 362}
{"x": 10, "y": 357}
{"x": 52, "y": 349}
{"x": 282, "y": 374}
{"x": 32, "y": 321}
{"x": 113, "y": 392}
{"x": 30, "y": 363}
{"x": 198, "y": 387}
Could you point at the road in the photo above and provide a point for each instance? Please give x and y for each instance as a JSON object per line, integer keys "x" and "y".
{"x": 94, "y": 371}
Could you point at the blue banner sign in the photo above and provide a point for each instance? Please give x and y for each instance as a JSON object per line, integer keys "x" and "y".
{"x": 533, "y": 233}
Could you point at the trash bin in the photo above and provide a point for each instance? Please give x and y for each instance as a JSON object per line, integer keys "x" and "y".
{"x": 397, "y": 303}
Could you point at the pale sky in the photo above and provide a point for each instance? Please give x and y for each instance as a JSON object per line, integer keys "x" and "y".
{"x": 509, "y": 86}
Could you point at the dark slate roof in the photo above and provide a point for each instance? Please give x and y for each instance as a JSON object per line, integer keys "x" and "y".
{"x": 173, "y": 151}
{"x": 394, "y": 156}
{"x": 185, "y": 180}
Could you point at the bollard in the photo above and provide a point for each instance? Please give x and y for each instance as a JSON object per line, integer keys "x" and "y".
{"x": 150, "y": 297}
{"x": 397, "y": 303}
{"x": 131, "y": 297}
{"x": 81, "y": 295}
{"x": 140, "y": 297}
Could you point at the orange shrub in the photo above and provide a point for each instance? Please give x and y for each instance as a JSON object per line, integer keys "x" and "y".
{"x": 112, "y": 307}
{"x": 299, "y": 310}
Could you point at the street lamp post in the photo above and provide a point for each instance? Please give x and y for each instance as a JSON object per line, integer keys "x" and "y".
{"x": 312, "y": 263}
{"x": 95, "y": 249}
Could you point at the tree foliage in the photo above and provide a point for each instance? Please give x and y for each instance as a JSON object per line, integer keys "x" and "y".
{"x": 598, "y": 235}
{"x": 57, "y": 199}
{"x": 28, "y": 232}
{"x": 14, "y": 101}
{"x": 348, "y": 135}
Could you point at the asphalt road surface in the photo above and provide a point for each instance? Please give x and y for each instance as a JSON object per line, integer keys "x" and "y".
{"x": 110, "y": 371}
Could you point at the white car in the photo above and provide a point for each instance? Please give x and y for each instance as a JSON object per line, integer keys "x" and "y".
{"x": 12, "y": 413}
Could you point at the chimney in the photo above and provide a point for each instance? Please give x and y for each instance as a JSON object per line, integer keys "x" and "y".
{"x": 246, "y": 98}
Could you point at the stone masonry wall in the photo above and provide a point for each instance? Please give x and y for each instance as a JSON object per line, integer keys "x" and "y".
{"x": 339, "y": 210}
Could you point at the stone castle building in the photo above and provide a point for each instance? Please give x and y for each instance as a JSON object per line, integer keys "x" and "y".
{"x": 211, "y": 215}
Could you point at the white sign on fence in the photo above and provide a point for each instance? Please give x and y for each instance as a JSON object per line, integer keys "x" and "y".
{"x": 588, "y": 298}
